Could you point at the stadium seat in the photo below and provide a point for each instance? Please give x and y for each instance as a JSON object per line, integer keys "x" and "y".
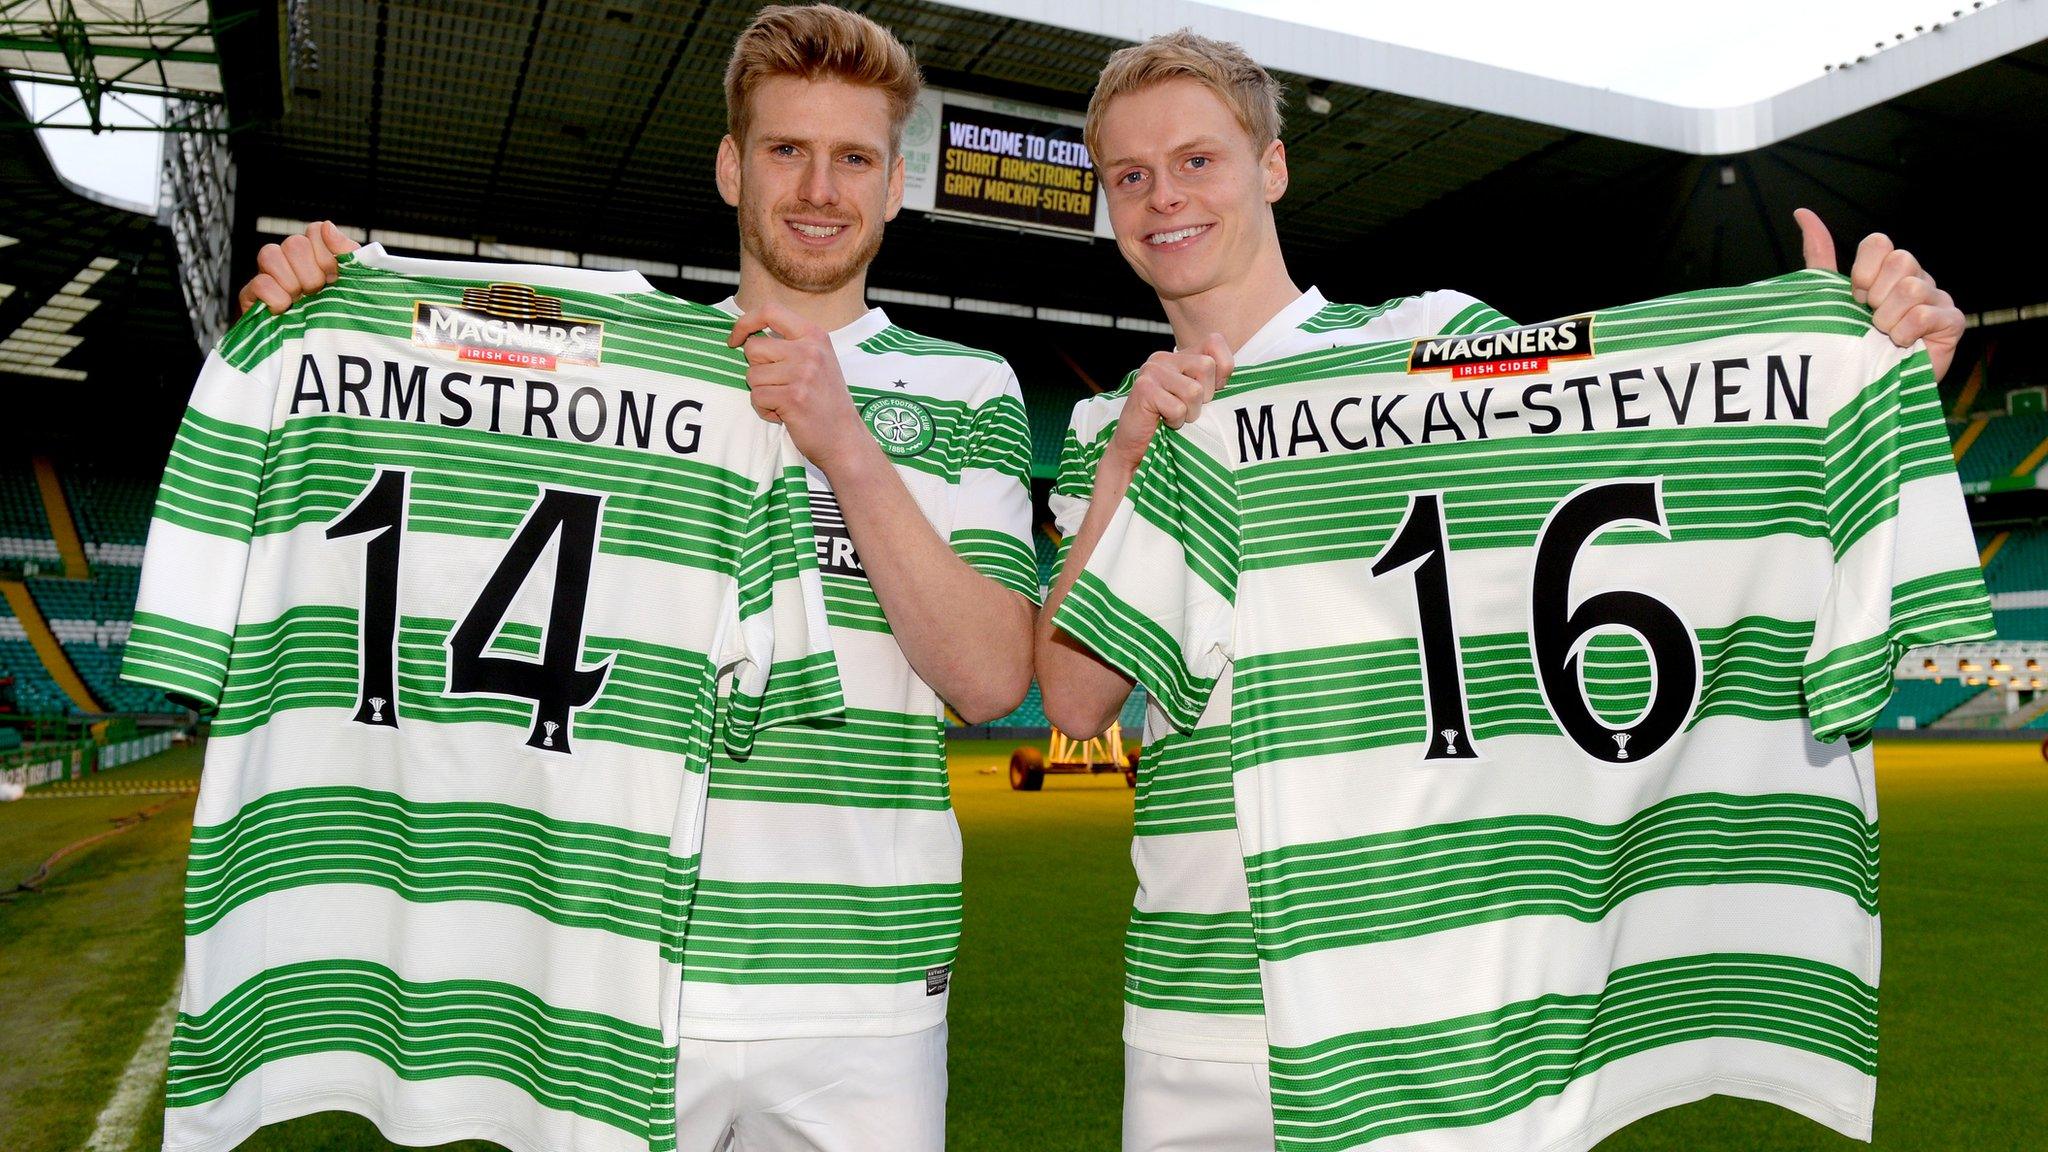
{"x": 2004, "y": 444}
{"x": 34, "y": 692}
{"x": 1925, "y": 701}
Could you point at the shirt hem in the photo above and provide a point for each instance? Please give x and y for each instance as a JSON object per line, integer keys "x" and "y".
{"x": 811, "y": 1027}
{"x": 1181, "y": 1046}
{"x": 1855, "y": 1124}
{"x": 392, "y": 1129}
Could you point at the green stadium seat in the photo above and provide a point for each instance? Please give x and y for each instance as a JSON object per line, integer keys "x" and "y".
{"x": 2004, "y": 444}
{"x": 34, "y": 692}
{"x": 1925, "y": 701}
{"x": 25, "y": 540}
{"x": 110, "y": 508}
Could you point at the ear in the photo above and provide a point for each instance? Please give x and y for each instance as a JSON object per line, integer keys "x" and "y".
{"x": 728, "y": 171}
{"x": 895, "y": 204}
{"x": 1275, "y": 165}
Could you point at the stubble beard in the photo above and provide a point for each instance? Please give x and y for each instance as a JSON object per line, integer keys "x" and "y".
{"x": 804, "y": 275}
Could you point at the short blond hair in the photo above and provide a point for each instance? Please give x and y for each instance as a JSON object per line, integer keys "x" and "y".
{"x": 1249, "y": 91}
{"x": 820, "y": 42}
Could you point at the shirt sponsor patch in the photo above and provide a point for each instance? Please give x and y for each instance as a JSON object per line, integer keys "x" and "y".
{"x": 508, "y": 324}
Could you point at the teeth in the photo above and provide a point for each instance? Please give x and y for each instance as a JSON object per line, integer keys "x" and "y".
{"x": 820, "y": 231}
{"x": 1171, "y": 237}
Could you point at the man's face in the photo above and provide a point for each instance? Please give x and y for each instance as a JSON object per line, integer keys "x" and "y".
{"x": 1188, "y": 194}
{"x": 814, "y": 181}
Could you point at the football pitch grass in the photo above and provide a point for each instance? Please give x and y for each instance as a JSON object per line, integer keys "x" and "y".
{"x": 88, "y": 962}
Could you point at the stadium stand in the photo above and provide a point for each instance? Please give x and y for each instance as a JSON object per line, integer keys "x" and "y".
{"x": 112, "y": 512}
{"x": 35, "y": 693}
{"x": 91, "y": 618}
{"x": 25, "y": 540}
{"x": 1047, "y": 550}
{"x": 2004, "y": 444}
{"x": 1031, "y": 714}
{"x": 1926, "y": 701}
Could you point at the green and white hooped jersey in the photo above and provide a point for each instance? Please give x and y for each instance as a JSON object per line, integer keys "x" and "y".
{"x": 457, "y": 555}
{"x": 1191, "y": 980}
{"x": 830, "y": 898}
{"x": 1552, "y": 679}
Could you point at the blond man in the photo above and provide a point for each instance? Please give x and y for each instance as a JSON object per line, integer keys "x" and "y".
{"x": 1185, "y": 135}
{"x": 819, "y": 958}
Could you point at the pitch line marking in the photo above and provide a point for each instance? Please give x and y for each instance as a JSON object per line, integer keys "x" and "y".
{"x": 120, "y": 1122}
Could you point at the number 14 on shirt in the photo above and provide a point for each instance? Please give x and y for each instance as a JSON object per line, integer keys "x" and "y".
{"x": 555, "y": 684}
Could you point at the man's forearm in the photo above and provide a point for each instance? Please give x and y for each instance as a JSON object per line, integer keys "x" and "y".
{"x": 1082, "y": 695}
{"x": 966, "y": 635}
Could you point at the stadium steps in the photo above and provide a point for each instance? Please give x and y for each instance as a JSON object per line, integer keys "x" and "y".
{"x": 55, "y": 662}
{"x": 2033, "y": 714}
{"x": 2005, "y": 453}
{"x": 1973, "y": 386}
{"x": 63, "y": 528}
{"x": 1969, "y": 434}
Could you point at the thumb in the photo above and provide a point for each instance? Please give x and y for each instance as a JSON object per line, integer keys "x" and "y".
{"x": 1218, "y": 349}
{"x": 1816, "y": 240}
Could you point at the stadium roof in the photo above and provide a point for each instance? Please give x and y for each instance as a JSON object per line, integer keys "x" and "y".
{"x": 574, "y": 128}
{"x": 583, "y": 131}
{"x": 93, "y": 330}
{"x": 1975, "y": 34}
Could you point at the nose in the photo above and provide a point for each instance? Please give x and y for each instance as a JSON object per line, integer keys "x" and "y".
{"x": 1166, "y": 196}
{"x": 819, "y": 187}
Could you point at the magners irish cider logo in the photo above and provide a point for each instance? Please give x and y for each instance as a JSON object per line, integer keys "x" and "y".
{"x": 508, "y": 324}
{"x": 1506, "y": 352}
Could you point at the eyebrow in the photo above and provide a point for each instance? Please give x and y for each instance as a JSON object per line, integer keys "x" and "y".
{"x": 1198, "y": 144}
{"x": 770, "y": 138}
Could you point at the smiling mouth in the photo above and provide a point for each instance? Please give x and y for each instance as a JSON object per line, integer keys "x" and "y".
{"x": 817, "y": 231}
{"x": 1161, "y": 239}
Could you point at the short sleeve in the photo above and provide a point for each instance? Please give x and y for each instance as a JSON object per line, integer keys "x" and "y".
{"x": 1157, "y": 599}
{"x": 198, "y": 552}
{"x": 1905, "y": 565}
{"x": 992, "y": 506}
{"x": 785, "y": 671}
{"x": 1073, "y": 488}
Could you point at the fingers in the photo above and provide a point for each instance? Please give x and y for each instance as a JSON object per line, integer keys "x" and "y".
{"x": 298, "y": 252}
{"x": 1869, "y": 256}
{"x": 1817, "y": 242}
{"x": 766, "y": 350}
{"x": 272, "y": 262}
{"x": 1173, "y": 386}
{"x": 1171, "y": 409}
{"x": 1893, "y": 299}
{"x": 323, "y": 256}
{"x": 264, "y": 290}
{"x": 777, "y": 319}
{"x": 335, "y": 239}
{"x": 1898, "y": 271}
{"x": 768, "y": 400}
{"x": 1924, "y": 321}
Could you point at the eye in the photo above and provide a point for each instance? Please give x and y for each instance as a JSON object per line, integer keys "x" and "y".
{"x": 857, "y": 160}
{"x": 782, "y": 150}
{"x": 1131, "y": 177}
{"x": 1198, "y": 161}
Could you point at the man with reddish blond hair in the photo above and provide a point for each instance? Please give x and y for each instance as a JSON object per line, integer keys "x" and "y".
{"x": 820, "y": 948}
{"x": 1185, "y": 133}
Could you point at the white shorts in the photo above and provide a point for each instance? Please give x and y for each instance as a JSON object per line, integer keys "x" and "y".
{"x": 824, "y": 1094}
{"x": 1176, "y": 1105}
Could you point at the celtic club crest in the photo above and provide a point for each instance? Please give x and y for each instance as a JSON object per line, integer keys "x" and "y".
{"x": 902, "y": 426}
